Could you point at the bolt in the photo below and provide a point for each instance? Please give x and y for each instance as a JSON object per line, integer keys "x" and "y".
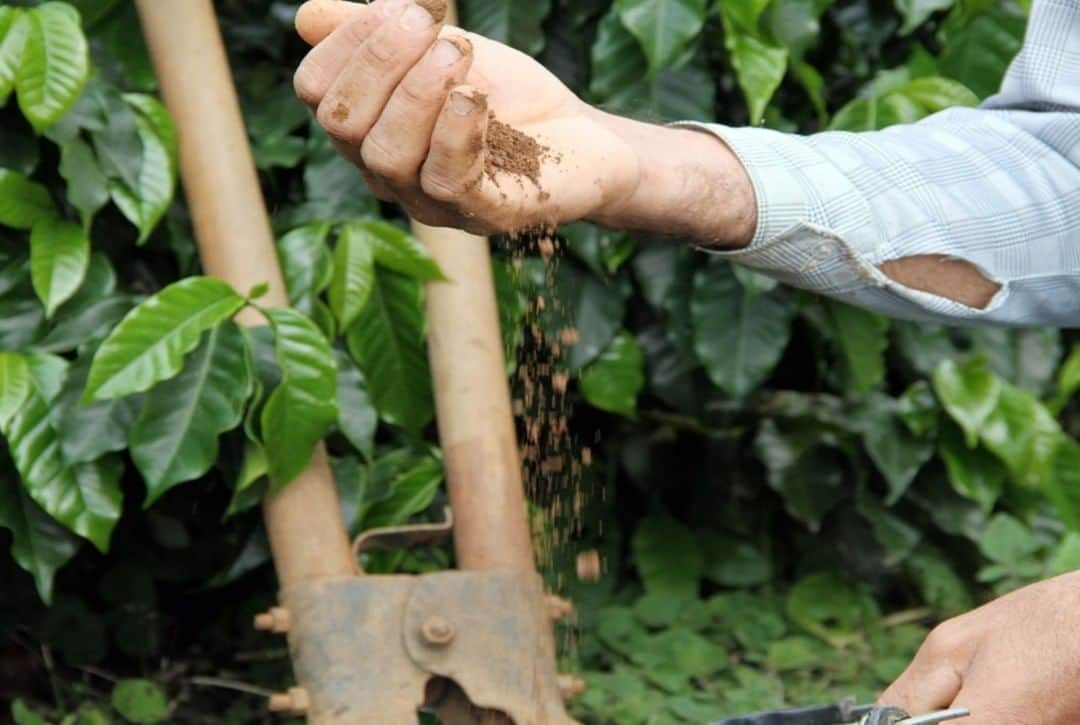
{"x": 557, "y": 608}
{"x": 437, "y": 631}
{"x": 276, "y": 620}
{"x": 570, "y": 686}
{"x": 294, "y": 702}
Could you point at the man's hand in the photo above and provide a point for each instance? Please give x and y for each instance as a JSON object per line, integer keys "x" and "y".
{"x": 1015, "y": 660}
{"x": 408, "y": 101}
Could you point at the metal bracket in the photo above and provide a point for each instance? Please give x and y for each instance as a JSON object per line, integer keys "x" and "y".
{"x": 410, "y": 536}
{"x": 487, "y": 631}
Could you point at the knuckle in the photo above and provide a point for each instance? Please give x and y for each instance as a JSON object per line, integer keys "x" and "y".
{"x": 308, "y": 84}
{"x": 443, "y": 186}
{"x": 415, "y": 92}
{"x": 383, "y": 160}
{"x": 377, "y": 53}
{"x": 944, "y": 641}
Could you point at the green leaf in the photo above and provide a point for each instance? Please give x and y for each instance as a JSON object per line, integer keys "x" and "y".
{"x": 734, "y": 563}
{"x": 1068, "y": 380}
{"x": 411, "y": 493}
{"x": 919, "y": 409}
{"x": 305, "y": 264}
{"x": 398, "y": 250}
{"x": 153, "y": 111}
{"x": 862, "y": 337}
{"x": 14, "y": 28}
{"x": 916, "y": 12}
{"x": 1007, "y": 541}
{"x": 1067, "y": 556}
{"x": 795, "y": 23}
{"x": 969, "y": 392}
{"x": 87, "y": 432}
{"x": 14, "y": 385}
{"x": 146, "y": 202}
{"x": 612, "y": 381}
{"x": 85, "y": 497}
{"x": 55, "y": 64}
{"x": 514, "y": 22}
{"x": 938, "y": 583}
{"x": 828, "y": 606}
{"x": 895, "y": 451}
{"x": 738, "y": 336}
{"x": 140, "y": 701}
{"x": 304, "y": 406}
{"x": 973, "y": 472}
{"x": 354, "y": 273}
{"x": 663, "y": 27}
{"x": 39, "y": 545}
{"x": 59, "y": 256}
{"x": 1023, "y": 434}
{"x": 87, "y": 187}
{"x": 357, "y": 417}
{"x": 150, "y": 343}
{"x": 897, "y": 537}
{"x": 387, "y": 341}
{"x": 810, "y": 477}
{"x": 619, "y": 79}
{"x": 759, "y": 64}
{"x": 1062, "y": 486}
{"x": 117, "y": 143}
{"x": 175, "y": 438}
{"x": 23, "y": 203}
{"x": 593, "y": 308}
{"x": 668, "y": 558}
{"x": 23, "y": 715}
{"x": 979, "y": 40}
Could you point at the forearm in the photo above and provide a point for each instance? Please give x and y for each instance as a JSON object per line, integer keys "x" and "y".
{"x": 689, "y": 185}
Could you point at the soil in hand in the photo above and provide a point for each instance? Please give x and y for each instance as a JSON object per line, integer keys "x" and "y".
{"x": 512, "y": 152}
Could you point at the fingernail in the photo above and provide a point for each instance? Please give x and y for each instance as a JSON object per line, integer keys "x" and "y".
{"x": 445, "y": 53}
{"x": 462, "y": 104}
{"x": 416, "y": 18}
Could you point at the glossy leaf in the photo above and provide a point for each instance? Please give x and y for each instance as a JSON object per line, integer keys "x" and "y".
{"x": 59, "y": 256}
{"x": 354, "y": 273}
{"x": 514, "y": 22}
{"x": 39, "y": 545}
{"x": 14, "y": 27}
{"x": 150, "y": 343}
{"x": 14, "y": 385}
{"x": 593, "y": 308}
{"x": 862, "y": 337}
{"x": 23, "y": 202}
{"x": 305, "y": 263}
{"x": 175, "y": 438}
{"x": 895, "y": 451}
{"x": 140, "y": 701}
{"x": 980, "y": 40}
{"x": 87, "y": 432}
{"x": 738, "y": 336}
{"x": 1062, "y": 486}
{"x": 612, "y": 381}
{"x": 304, "y": 405}
{"x": 759, "y": 67}
{"x": 973, "y": 472}
{"x": 828, "y": 606}
{"x": 387, "y": 341}
{"x": 87, "y": 188}
{"x": 55, "y": 64}
{"x": 916, "y": 12}
{"x": 969, "y": 392}
{"x": 357, "y": 417}
{"x": 1023, "y": 433}
{"x": 116, "y": 142}
{"x": 668, "y": 558}
{"x": 398, "y": 250}
{"x": 86, "y": 497}
{"x": 147, "y": 202}
{"x": 411, "y": 493}
{"x": 1007, "y": 541}
{"x": 663, "y": 27}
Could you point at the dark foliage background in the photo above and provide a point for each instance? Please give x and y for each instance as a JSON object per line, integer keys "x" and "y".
{"x": 786, "y": 491}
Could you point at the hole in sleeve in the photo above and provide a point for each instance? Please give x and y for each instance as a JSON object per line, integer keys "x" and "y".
{"x": 950, "y": 277}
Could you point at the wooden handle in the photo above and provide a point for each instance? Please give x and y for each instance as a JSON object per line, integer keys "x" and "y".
{"x": 303, "y": 521}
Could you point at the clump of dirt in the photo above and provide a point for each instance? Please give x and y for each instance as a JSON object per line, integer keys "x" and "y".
{"x": 513, "y": 152}
{"x": 437, "y": 8}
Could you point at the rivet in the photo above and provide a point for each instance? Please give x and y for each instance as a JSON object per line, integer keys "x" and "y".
{"x": 276, "y": 619}
{"x": 437, "y": 631}
{"x": 296, "y": 701}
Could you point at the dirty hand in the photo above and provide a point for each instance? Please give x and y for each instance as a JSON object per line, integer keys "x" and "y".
{"x": 408, "y": 101}
{"x": 1015, "y": 660}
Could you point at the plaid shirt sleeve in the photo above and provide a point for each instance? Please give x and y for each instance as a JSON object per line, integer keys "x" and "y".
{"x": 997, "y": 185}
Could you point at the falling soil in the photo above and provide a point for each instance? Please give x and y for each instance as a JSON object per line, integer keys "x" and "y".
{"x": 513, "y": 152}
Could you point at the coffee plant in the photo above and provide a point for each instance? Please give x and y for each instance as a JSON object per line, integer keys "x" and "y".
{"x": 786, "y": 491}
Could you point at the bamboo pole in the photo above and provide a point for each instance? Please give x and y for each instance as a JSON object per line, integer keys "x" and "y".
{"x": 303, "y": 521}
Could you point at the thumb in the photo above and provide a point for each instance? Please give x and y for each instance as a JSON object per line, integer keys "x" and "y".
{"x": 923, "y": 687}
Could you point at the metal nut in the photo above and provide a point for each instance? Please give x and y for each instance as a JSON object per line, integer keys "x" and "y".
{"x": 295, "y": 702}
{"x": 276, "y": 619}
{"x": 437, "y": 631}
{"x": 570, "y": 686}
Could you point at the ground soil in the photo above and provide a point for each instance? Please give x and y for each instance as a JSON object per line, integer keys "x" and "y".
{"x": 513, "y": 152}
